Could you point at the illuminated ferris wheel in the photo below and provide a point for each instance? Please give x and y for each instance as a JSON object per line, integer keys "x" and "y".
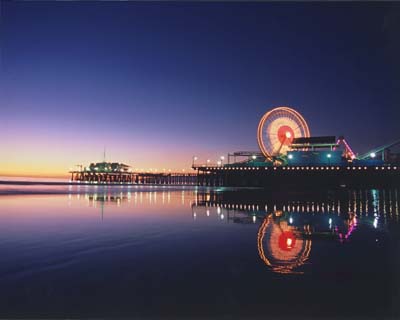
{"x": 277, "y": 129}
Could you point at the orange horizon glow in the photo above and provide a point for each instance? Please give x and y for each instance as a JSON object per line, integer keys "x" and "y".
{"x": 37, "y": 166}
{"x": 54, "y": 156}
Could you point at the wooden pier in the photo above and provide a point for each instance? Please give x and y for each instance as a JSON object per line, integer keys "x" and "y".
{"x": 134, "y": 178}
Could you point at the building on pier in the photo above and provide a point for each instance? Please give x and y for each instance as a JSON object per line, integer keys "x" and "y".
{"x": 104, "y": 172}
{"x": 119, "y": 173}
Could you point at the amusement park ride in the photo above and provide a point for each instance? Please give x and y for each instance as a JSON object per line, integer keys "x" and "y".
{"x": 283, "y": 132}
{"x": 291, "y": 156}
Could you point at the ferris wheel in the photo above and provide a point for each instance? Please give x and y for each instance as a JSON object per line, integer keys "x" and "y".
{"x": 277, "y": 129}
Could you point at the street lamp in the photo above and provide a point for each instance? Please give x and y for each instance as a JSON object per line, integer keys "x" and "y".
{"x": 372, "y": 155}
{"x": 329, "y": 158}
{"x": 194, "y": 158}
{"x": 219, "y": 162}
{"x": 222, "y": 159}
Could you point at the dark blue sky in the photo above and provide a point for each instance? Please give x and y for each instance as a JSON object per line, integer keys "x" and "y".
{"x": 194, "y": 78}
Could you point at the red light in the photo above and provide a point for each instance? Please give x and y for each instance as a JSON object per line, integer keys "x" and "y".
{"x": 285, "y": 135}
{"x": 287, "y": 241}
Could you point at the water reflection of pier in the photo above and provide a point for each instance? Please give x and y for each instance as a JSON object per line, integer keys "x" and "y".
{"x": 289, "y": 226}
{"x": 132, "y": 197}
{"x": 384, "y": 203}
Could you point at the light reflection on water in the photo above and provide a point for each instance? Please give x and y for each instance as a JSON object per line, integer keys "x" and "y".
{"x": 287, "y": 230}
{"x": 141, "y": 240}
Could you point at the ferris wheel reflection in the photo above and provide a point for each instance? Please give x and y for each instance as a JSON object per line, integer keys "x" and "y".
{"x": 281, "y": 246}
{"x": 284, "y": 245}
{"x": 287, "y": 232}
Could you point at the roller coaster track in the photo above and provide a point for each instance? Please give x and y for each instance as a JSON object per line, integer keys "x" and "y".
{"x": 378, "y": 150}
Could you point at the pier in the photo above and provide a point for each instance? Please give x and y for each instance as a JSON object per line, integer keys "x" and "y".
{"x": 286, "y": 177}
{"x": 119, "y": 173}
{"x": 290, "y": 158}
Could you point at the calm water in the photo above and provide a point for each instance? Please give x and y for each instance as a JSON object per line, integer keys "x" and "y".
{"x": 186, "y": 252}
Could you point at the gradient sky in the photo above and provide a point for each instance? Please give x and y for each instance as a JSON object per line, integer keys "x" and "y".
{"x": 159, "y": 82}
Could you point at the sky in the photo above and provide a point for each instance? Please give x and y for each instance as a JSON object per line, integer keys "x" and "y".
{"x": 157, "y": 83}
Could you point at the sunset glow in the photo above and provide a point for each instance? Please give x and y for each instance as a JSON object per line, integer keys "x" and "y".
{"x": 72, "y": 85}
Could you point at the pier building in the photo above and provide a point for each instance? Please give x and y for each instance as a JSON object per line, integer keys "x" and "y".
{"x": 120, "y": 173}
